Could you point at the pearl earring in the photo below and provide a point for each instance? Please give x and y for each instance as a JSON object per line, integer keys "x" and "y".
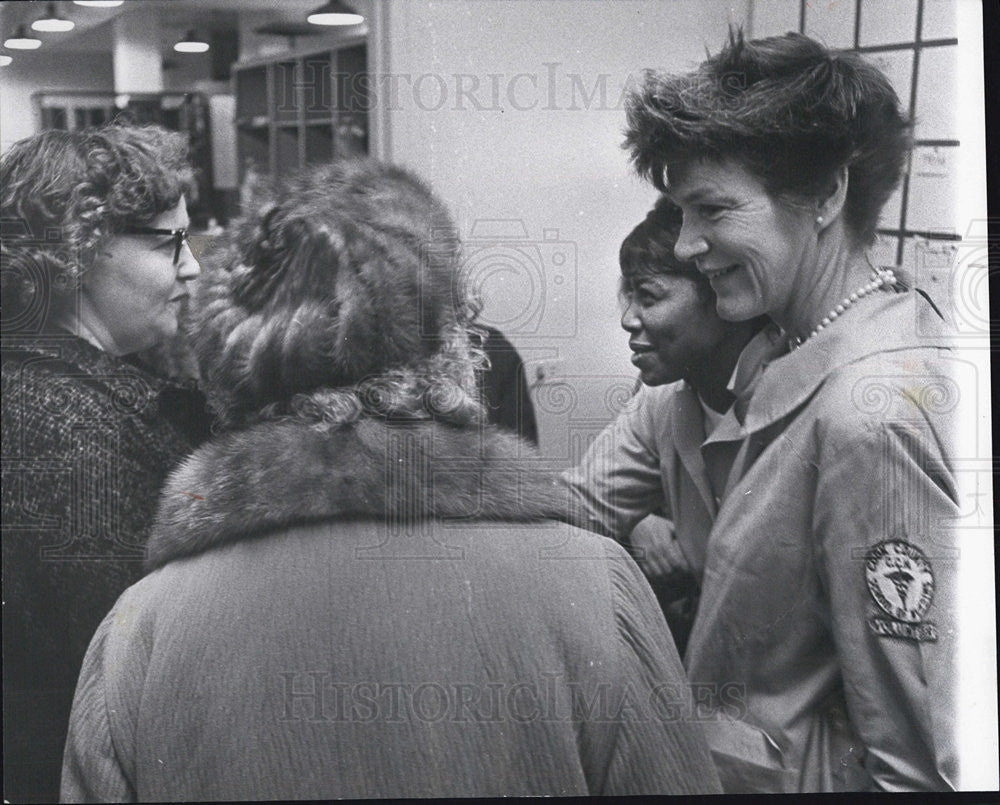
{"x": 819, "y": 220}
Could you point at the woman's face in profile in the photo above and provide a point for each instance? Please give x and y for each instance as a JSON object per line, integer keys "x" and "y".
{"x": 749, "y": 245}
{"x": 671, "y": 326}
{"x": 132, "y": 294}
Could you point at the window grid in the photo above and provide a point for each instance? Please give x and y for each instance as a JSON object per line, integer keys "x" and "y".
{"x": 917, "y": 46}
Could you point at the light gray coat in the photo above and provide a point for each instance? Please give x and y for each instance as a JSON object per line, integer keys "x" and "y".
{"x": 313, "y": 632}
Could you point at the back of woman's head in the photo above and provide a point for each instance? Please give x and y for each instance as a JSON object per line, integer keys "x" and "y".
{"x": 64, "y": 193}
{"x": 787, "y": 109}
{"x": 339, "y": 293}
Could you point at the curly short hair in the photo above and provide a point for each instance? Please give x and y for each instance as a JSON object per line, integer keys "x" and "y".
{"x": 64, "y": 193}
{"x": 339, "y": 293}
{"x": 786, "y": 109}
{"x": 649, "y": 249}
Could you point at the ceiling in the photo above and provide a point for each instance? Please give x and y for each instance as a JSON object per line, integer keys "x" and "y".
{"x": 94, "y": 30}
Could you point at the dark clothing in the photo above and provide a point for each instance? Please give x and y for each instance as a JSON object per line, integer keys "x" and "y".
{"x": 88, "y": 440}
{"x": 505, "y": 387}
{"x": 378, "y": 610}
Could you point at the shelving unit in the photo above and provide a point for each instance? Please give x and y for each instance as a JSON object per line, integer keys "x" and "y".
{"x": 299, "y": 109}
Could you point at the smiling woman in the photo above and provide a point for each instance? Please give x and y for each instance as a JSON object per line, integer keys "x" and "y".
{"x": 656, "y": 457}
{"x": 781, "y": 154}
{"x": 749, "y": 245}
{"x": 93, "y": 432}
{"x": 667, "y": 308}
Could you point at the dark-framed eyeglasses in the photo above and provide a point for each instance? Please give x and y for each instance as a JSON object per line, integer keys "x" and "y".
{"x": 180, "y": 237}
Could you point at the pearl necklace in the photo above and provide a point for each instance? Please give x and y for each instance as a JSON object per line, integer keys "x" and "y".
{"x": 881, "y": 277}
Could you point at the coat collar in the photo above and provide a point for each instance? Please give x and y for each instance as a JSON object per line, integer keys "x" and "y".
{"x": 81, "y": 354}
{"x": 292, "y": 471}
{"x": 688, "y": 434}
{"x": 128, "y": 384}
{"x": 885, "y": 323}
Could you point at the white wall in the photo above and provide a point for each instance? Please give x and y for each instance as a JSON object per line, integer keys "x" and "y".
{"x": 37, "y": 72}
{"x": 543, "y": 152}
{"x": 136, "y": 49}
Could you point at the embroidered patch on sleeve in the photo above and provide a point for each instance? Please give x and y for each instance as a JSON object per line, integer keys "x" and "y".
{"x": 901, "y": 582}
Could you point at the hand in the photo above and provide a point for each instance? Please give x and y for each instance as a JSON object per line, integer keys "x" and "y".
{"x": 656, "y": 550}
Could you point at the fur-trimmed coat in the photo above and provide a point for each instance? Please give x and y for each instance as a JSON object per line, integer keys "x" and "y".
{"x": 378, "y": 610}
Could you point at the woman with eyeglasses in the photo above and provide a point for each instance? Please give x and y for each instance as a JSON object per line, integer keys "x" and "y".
{"x": 95, "y": 271}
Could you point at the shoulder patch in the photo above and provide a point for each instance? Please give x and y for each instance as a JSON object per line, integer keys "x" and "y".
{"x": 901, "y": 582}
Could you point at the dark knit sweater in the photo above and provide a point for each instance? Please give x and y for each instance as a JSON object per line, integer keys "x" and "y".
{"x": 88, "y": 440}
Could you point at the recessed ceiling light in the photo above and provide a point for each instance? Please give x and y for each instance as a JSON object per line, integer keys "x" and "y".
{"x": 191, "y": 44}
{"x": 5, "y": 60}
{"x": 99, "y": 3}
{"x": 52, "y": 22}
{"x": 22, "y": 40}
{"x": 335, "y": 13}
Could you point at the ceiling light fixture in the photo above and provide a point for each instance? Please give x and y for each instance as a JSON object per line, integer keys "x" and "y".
{"x": 22, "y": 40}
{"x": 335, "y": 13}
{"x": 5, "y": 60}
{"x": 51, "y": 22}
{"x": 99, "y": 3}
{"x": 191, "y": 44}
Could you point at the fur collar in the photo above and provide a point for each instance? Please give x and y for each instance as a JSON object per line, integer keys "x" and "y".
{"x": 291, "y": 471}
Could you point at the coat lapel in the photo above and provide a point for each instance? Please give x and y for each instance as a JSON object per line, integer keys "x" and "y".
{"x": 886, "y": 323}
{"x": 688, "y": 433}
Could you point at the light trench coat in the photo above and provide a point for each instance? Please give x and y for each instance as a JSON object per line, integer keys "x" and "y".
{"x": 823, "y": 653}
{"x": 824, "y": 647}
{"x": 648, "y": 460}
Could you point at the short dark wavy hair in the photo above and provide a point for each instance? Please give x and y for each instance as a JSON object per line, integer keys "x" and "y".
{"x": 339, "y": 293}
{"x": 64, "y": 193}
{"x": 649, "y": 249}
{"x": 786, "y": 109}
